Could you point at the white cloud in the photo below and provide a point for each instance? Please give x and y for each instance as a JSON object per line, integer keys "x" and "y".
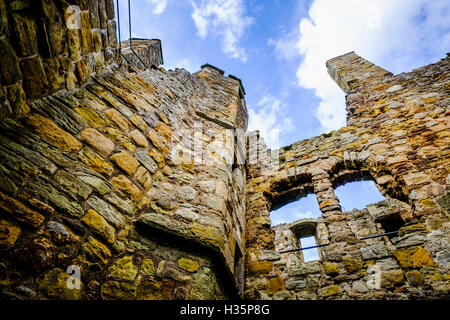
{"x": 160, "y": 6}
{"x": 225, "y": 18}
{"x": 302, "y": 215}
{"x": 186, "y": 64}
{"x": 285, "y": 46}
{"x": 397, "y": 34}
{"x": 269, "y": 117}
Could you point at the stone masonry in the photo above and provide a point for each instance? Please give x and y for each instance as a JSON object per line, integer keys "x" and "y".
{"x": 398, "y": 137}
{"x": 122, "y": 180}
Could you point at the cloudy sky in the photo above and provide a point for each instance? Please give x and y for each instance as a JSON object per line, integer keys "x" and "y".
{"x": 279, "y": 49}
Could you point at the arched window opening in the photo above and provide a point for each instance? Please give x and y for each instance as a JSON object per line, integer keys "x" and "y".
{"x": 357, "y": 195}
{"x": 306, "y": 207}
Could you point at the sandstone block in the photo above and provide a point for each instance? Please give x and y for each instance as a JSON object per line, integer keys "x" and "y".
{"x": 125, "y": 161}
{"x": 260, "y": 267}
{"x": 329, "y": 291}
{"x": 99, "y": 225}
{"x": 54, "y": 135}
{"x": 97, "y": 140}
{"x": 138, "y": 138}
{"x": 125, "y": 187}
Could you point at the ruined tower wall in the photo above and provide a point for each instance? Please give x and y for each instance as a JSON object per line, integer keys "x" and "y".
{"x": 398, "y": 137}
{"x": 94, "y": 178}
{"x": 127, "y": 180}
{"x": 50, "y": 45}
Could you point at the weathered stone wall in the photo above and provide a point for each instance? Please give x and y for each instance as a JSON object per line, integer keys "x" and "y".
{"x": 124, "y": 175}
{"x": 83, "y": 170}
{"x": 397, "y": 136}
{"x": 48, "y": 45}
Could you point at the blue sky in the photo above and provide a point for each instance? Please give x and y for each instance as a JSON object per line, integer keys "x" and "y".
{"x": 279, "y": 48}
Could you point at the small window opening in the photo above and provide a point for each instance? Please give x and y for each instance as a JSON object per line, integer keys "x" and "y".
{"x": 357, "y": 195}
{"x": 391, "y": 223}
{"x": 311, "y": 254}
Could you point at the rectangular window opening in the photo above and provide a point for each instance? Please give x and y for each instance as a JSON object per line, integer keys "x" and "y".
{"x": 391, "y": 223}
{"x": 311, "y": 254}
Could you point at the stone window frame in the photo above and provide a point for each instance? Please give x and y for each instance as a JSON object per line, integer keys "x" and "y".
{"x": 293, "y": 188}
{"x": 309, "y": 227}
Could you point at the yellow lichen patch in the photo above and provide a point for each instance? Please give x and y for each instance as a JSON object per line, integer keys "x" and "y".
{"x": 381, "y": 87}
{"x": 94, "y": 254}
{"x": 275, "y": 284}
{"x": 413, "y": 257}
{"x": 158, "y": 157}
{"x": 115, "y": 290}
{"x": 53, "y": 134}
{"x": 157, "y": 141}
{"x": 99, "y": 225}
{"x": 337, "y": 152}
{"x": 346, "y": 129}
{"x": 421, "y": 258}
{"x": 94, "y": 161}
{"x": 352, "y": 264}
{"x": 210, "y": 234}
{"x": 430, "y": 99}
{"x": 326, "y": 203}
{"x": 156, "y": 290}
{"x": 120, "y": 137}
{"x": 54, "y": 285}
{"x": 330, "y": 268}
{"x": 326, "y": 146}
{"x": 150, "y": 88}
{"x": 188, "y": 265}
{"x": 381, "y": 101}
{"x": 123, "y": 269}
{"x": 353, "y": 145}
{"x": 428, "y": 202}
{"x": 260, "y": 267}
{"x": 148, "y": 267}
{"x": 328, "y": 291}
{"x": 93, "y": 118}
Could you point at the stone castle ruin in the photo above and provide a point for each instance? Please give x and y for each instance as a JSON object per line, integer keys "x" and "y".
{"x": 122, "y": 180}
